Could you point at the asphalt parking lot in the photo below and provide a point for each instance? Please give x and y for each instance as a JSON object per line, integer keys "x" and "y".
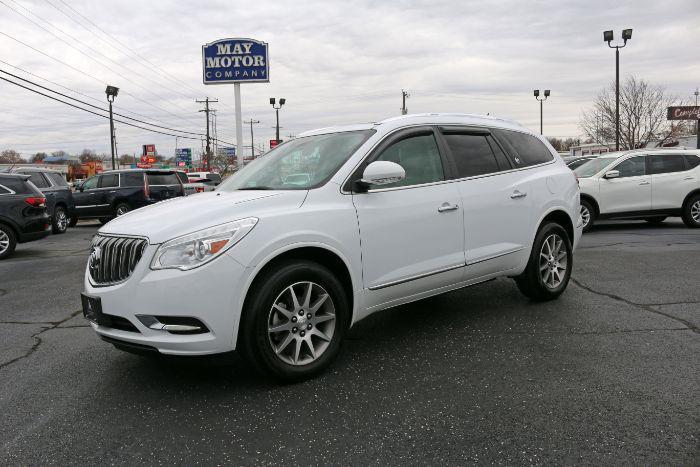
{"x": 607, "y": 374}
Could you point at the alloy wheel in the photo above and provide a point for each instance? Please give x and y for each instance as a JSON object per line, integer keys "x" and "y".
{"x": 695, "y": 211}
{"x": 61, "y": 220}
{"x": 553, "y": 261}
{"x": 585, "y": 215}
{"x": 301, "y": 323}
{"x": 4, "y": 242}
{"x": 121, "y": 210}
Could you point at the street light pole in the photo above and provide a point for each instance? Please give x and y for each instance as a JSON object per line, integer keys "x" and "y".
{"x": 536, "y": 92}
{"x": 111, "y": 92}
{"x": 277, "y": 115}
{"x": 608, "y": 37}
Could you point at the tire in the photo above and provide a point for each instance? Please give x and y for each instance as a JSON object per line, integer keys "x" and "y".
{"x": 73, "y": 221}
{"x": 121, "y": 209}
{"x": 538, "y": 281}
{"x": 588, "y": 214}
{"x": 8, "y": 242}
{"x": 655, "y": 220}
{"x": 691, "y": 212}
{"x": 270, "y": 305}
{"x": 59, "y": 221}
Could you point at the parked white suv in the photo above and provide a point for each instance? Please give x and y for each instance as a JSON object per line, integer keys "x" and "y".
{"x": 645, "y": 184}
{"x": 389, "y": 213}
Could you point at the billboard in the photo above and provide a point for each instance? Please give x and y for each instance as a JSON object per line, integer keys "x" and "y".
{"x": 183, "y": 157}
{"x": 235, "y": 61}
{"x": 683, "y": 112}
{"x": 148, "y": 156}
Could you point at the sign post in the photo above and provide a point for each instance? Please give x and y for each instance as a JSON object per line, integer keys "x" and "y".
{"x": 685, "y": 112}
{"x": 236, "y": 61}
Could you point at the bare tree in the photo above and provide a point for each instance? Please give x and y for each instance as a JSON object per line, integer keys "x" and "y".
{"x": 642, "y": 115}
{"x": 38, "y": 158}
{"x": 89, "y": 155}
{"x": 10, "y": 156}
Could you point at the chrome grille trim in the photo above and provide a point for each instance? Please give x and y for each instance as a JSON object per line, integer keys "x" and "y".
{"x": 113, "y": 258}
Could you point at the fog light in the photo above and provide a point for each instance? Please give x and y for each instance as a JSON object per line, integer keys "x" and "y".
{"x": 173, "y": 324}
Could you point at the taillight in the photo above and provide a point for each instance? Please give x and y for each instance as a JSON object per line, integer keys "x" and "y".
{"x": 199, "y": 189}
{"x": 36, "y": 202}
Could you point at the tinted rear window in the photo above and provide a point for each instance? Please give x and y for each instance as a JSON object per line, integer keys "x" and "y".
{"x": 692, "y": 161}
{"x": 38, "y": 179}
{"x": 183, "y": 177}
{"x": 57, "y": 179}
{"x": 131, "y": 179}
{"x": 163, "y": 179}
{"x": 17, "y": 185}
{"x": 472, "y": 154}
{"x": 528, "y": 149}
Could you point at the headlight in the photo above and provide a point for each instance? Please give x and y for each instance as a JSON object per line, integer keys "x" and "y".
{"x": 198, "y": 248}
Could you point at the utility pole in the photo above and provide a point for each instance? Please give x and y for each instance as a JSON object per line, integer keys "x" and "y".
{"x": 251, "y": 122}
{"x": 404, "y": 95}
{"x": 206, "y": 110}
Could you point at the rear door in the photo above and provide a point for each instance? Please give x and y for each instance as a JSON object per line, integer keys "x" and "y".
{"x": 628, "y": 193}
{"x": 163, "y": 185}
{"x": 497, "y": 200}
{"x": 106, "y": 190}
{"x": 671, "y": 180}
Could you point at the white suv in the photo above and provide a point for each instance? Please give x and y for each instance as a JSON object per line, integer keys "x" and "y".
{"x": 387, "y": 213}
{"x": 645, "y": 184}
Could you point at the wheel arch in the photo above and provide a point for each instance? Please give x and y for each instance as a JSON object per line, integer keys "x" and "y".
{"x": 11, "y": 226}
{"x": 317, "y": 252}
{"x": 561, "y": 217}
{"x": 690, "y": 195}
{"x": 593, "y": 201}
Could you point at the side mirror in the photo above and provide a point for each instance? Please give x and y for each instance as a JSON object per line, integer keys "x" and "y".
{"x": 382, "y": 173}
{"x": 612, "y": 174}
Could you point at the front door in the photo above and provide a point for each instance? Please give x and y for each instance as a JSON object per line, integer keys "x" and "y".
{"x": 86, "y": 198}
{"x": 412, "y": 231}
{"x": 630, "y": 192}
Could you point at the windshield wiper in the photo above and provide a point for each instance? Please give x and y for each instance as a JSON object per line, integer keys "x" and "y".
{"x": 256, "y": 188}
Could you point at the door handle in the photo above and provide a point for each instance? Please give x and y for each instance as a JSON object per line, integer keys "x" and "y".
{"x": 689, "y": 178}
{"x": 447, "y": 207}
{"x": 517, "y": 194}
{"x": 644, "y": 183}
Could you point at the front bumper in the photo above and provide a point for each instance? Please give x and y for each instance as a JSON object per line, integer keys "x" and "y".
{"x": 209, "y": 293}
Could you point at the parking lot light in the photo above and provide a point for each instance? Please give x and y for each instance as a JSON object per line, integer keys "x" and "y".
{"x": 112, "y": 92}
{"x": 608, "y": 37}
{"x": 536, "y": 92}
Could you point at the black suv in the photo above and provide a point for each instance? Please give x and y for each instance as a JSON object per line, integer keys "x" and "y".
{"x": 59, "y": 197}
{"x": 111, "y": 194}
{"x": 23, "y": 216}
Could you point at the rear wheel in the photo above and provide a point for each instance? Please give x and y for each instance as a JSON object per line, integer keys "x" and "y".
{"x": 121, "y": 209}
{"x": 59, "y": 223}
{"x": 691, "y": 212}
{"x": 587, "y": 215}
{"x": 655, "y": 220}
{"x": 294, "y": 321}
{"x": 8, "y": 241}
{"x": 549, "y": 267}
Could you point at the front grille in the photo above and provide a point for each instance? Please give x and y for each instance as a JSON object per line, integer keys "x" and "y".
{"x": 113, "y": 259}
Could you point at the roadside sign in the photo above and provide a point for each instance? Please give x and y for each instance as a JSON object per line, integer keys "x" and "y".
{"x": 275, "y": 142}
{"x": 183, "y": 157}
{"x": 683, "y": 112}
{"x": 230, "y": 152}
{"x": 235, "y": 61}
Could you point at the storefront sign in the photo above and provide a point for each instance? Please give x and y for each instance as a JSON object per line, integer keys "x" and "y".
{"x": 685, "y": 112}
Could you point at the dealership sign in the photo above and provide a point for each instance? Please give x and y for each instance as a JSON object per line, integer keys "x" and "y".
{"x": 235, "y": 61}
{"x": 684, "y": 112}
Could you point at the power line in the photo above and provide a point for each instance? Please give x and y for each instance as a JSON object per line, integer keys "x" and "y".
{"x": 85, "y": 54}
{"x": 96, "y": 107}
{"x": 84, "y": 73}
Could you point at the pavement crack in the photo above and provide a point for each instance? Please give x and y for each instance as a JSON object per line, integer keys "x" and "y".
{"x": 641, "y": 306}
{"x": 38, "y": 340}
{"x": 597, "y": 333}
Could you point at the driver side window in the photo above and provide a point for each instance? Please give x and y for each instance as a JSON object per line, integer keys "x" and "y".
{"x": 90, "y": 183}
{"x": 632, "y": 167}
{"x": 420, "y": 158}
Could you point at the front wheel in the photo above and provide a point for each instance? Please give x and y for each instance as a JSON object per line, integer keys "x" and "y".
{"x": 587, "y": 215}
{"x": 73, "y": 221}
{"x": 691, "y": 212}
{"x": 294, "y": 321}
{"x": 60, "y": 221}
{"x": 549, "y": 267}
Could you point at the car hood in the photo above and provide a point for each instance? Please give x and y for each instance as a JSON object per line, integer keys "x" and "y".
{"x": 166, "y": 220}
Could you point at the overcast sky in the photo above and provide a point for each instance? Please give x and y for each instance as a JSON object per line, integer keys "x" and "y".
{"x": 335, "y": 62}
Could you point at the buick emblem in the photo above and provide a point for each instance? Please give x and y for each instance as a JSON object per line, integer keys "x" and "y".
{"x": 94, "y": 260}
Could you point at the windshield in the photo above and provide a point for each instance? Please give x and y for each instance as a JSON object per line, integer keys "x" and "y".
{"x": 299, "y": 164}
{"x": 594, "y": 166}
